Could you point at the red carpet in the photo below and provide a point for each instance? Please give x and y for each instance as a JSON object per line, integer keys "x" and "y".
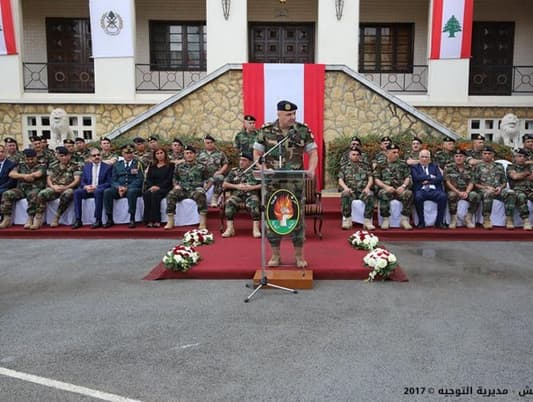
{"x": 240, "y": 256}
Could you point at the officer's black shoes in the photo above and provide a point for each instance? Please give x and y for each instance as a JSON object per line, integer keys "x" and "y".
{"x": 77, "y": 224}
{"x": 442, "y": 226}
{"x": 109, "y": 223}
{"x": 132, "y": 224}
{"x": 421, "y": 226}
{"x": 96, "y": 225}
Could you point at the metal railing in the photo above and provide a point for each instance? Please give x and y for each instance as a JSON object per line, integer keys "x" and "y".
{"x": 414, "y": 82}
{"x": 65, "y": 77}
{"x": 523, "y": 79}
{"x": 148, "y": 78}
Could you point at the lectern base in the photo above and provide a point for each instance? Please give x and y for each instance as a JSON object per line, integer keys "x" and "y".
{"x": 288, "y": 278}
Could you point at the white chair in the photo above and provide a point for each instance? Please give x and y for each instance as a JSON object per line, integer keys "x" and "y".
{"x": 395, "y": 214}
{"x": 358, "y": 211}
{"x": 462, "y": 210}
{"x": 430, "y": 213}
{"x": 497, "y": 215}
{"x": 186, "y": 212}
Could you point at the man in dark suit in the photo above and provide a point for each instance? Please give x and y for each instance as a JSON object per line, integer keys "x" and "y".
{"x": 95, "y": 178}
{"x": 6, "y": 166}
{"x": 427, "y": 185}
{"x": 127, "y": 181}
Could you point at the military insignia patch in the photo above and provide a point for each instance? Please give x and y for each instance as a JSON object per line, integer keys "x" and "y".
{"x": 282, "y": 212}
{"x": 112, "y": 23}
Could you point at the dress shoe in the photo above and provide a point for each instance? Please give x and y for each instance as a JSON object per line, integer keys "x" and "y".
{"x": 77, "y": 224}
{"x": 108, "y": 224}
{"x": 96, "y": 225}
{"x": 132, "y": 224}
{"x": 420, "y": 225}
{"x": 441, "y": 226}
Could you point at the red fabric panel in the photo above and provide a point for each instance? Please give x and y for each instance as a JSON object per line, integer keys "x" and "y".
{"x": 253, "y": 91}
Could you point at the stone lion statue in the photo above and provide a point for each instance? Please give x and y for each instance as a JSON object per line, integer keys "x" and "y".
{"x": 59, "y": 125}
{"x": 509, "y": 133}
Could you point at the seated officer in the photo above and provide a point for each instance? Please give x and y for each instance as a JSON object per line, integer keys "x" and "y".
{"x": 244, "y": 190}
{"x": 126, "y": 181}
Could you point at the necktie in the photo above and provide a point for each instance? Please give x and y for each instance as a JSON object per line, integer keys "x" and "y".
{"x": 426, "y": 170}
{"x": 1, "y": 165}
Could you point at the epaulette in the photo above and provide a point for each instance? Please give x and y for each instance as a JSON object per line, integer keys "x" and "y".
{"x": 267, "y": 124}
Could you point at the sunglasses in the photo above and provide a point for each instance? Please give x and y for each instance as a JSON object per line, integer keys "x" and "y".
{"x": 95, "y": 154}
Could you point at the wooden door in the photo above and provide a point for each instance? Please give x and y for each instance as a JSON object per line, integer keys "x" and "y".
{"x": 70, "y": 68}
{"x": 491, "y": 66}
{"x": 287, "y": 43}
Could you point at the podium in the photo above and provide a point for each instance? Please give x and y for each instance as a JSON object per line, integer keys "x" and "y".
{"x": 283, "y": 214}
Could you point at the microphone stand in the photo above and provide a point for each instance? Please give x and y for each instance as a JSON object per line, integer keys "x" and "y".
{"x": 264, "y": 280}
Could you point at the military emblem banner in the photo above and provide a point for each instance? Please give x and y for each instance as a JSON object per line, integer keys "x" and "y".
{"x": 451, "y": 36}
{"x": 7, "y": 32}
{"x": 112, "y": 28}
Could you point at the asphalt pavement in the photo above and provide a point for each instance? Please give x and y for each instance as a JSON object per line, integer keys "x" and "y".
{"x": 76, "y": 314}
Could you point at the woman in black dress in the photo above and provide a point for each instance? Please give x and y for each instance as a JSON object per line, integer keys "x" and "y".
{"x": 158, "y": 184}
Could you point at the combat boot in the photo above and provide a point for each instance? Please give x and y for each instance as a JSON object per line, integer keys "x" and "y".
{"x": 299, "y": 255}
{"x": 346, "y": 222}
{"x": 170, "y": 222}
{"x": 29, "y": 222}
{"x": 509, "y": 224}
{"x": 404, "y": 223}
{"x": 469, "y": 222}
{"x": 256, "y": 230}
{"x": 453, "y": 222}
{"x": 55, "y": 221}
{"x": 368, "y": 225}
{"x": 487, "y": 224}
{"x": 6, "y": 222}
{"x": 527, "y": 224}
{"x": 37, "y": 222}
{"x": 386, "y": 223}
{"x": 230, "y": 230}
{"x": 275, "y": 259}
{"x": 203, "y": 221}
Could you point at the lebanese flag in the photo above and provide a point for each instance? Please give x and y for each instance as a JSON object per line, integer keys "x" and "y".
{"x": 264, "y": 85}
{"x": 451, "y": 36}
{"x": 7, "y": 32}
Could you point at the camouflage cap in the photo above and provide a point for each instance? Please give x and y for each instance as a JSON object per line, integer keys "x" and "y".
{"x": 286, "y": 106}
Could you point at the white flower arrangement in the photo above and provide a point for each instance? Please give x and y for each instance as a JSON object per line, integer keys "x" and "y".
{"x": 180, "y": 258}
{"x": 382, "y": 262}
{"x": 197, "y": 237}
{"x": 363, "y": 240}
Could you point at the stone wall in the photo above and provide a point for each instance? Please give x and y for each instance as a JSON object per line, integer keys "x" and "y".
{"x": 216, "y": 108}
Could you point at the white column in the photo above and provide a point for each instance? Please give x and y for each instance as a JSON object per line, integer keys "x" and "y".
{"x": 226, "y": 38}
{"x": 114, "y": 77}
{"x": 447, "y": 78}
{"x": 338, "y": 40}
{"x": 11, "y": 76}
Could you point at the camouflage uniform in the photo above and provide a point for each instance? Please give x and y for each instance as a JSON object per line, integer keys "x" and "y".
{"x": 471, "y": 154}
{"x": 443, "y": 158}
{"x": 108, "y": 155}
{"x": 144, "y": 157}
{"x": 460, "y": 180}
{"x": 17, "y": 157}
{"x": 345, "y": 158}
{"x": 393, "y": 174}
{"x": 59, "y": 175}
{"x": 190, "y": 176}
{"x": 179, "y": 156}
{"x": 380, "y": 158}
{"x": 24, "y": 189}
{"x": 46, "y": 158}
{"x": 250, "y": 198}
{"x": 410, "y": 154}
{"x": 301, "y": 141}
{"x": 356, "y": 176}
{"x": 213, "y": 161}
{"x": 523, "y": 188}
{"x": 82, "y": 156}
{"x": 244, "y": 141}
{"x": 493, "y": 174}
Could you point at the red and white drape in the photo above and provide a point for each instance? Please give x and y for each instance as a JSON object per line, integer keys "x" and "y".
{"x": 264, "y": 85}
{"x": 451, "y": 36}
{"x": 7, "y": 32}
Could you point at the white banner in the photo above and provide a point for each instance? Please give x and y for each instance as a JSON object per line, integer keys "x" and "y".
{"x": 283, "y": 82}
{"x": 112, "y": 28}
